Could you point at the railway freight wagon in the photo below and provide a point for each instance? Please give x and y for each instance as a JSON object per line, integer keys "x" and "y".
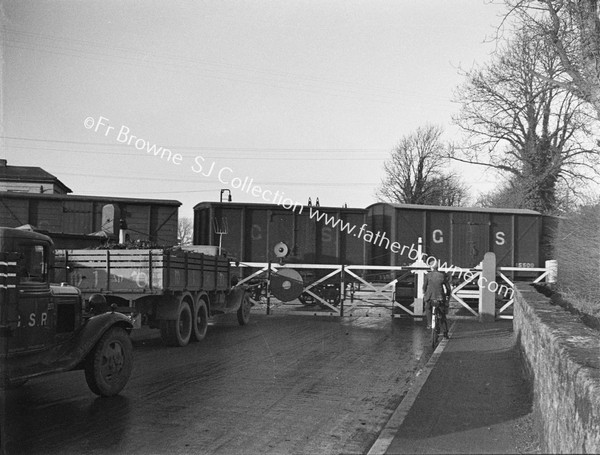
{"x": 250, "y": 232}
{"x": 457, "y": 236}
{"x": 381, "y": 235}
{"x": 69, "y": 220}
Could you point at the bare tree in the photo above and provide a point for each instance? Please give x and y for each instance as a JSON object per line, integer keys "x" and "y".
{"x": 511, "y": 195}
{"x": 524, "y": 126}
{"x": 414, "y": 174}
{"x": 573, "y": 29}
{"x": 185, "y": 231}
{"x": 508, "y": 195}
{"x": 448, "y": 190}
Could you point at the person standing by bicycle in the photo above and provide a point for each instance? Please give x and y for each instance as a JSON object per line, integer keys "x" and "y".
{"x": 436, "y": 289}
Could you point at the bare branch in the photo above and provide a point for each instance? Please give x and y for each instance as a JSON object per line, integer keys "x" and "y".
{"x": 415, "y": 172}
{"x": 531, "y": 129}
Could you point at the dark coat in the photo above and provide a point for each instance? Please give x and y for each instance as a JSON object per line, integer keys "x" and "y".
{"x": 436, "y": 286}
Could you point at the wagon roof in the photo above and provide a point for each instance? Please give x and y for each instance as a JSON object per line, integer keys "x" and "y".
{"x": 270, "y": 206}
{"x": 75, "y": 197}
{"x": 457, "y": 209}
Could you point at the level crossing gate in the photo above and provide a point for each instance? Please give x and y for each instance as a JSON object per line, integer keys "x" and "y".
{"x": 341, "y": 290}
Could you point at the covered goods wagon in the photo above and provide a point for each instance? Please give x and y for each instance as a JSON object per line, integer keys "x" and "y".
{"x": 250, "y": 232}
{"x": 457, "y": 236}
{"x": 66, "y": 218}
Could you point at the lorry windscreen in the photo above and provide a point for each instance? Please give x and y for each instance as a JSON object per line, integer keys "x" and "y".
{"x": 33, "y": 266}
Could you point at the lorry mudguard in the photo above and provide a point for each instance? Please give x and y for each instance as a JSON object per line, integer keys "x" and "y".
{"x": 234, "y": 298}
{"x": 93, "y": 330}
{"x": 72, "y": 355}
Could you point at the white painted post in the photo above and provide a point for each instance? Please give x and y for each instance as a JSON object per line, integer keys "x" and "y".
{"x": 487, "y": 298}
{"x": 418, "y": 301}
{"x": 552, "y": 267}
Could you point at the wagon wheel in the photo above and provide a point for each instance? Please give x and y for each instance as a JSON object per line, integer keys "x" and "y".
{"x": 307, "y": 299}
{"x": 331, "y": 294}
{"x": 257, "y": 293}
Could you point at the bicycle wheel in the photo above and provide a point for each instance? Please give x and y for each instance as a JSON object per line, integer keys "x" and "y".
{"x": 434, "y": 331}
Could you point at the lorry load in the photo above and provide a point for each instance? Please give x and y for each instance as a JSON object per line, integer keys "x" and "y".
{"x": 175, "y": 290}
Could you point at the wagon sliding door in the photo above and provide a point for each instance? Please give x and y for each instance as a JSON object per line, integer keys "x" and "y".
{"x": 470, "y": 238}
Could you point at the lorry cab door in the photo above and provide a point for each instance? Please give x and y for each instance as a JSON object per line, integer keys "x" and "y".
{"x": 34, "y": 329}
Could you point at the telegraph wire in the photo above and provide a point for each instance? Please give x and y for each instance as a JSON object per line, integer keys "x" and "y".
{"x": 177, "y": 67}
{"x": 289, "y": 81}
{"x": 204, "y": 181}
{"x": 213, "y": 157}
{"x": 188, "y": 61}
{"x": 203, "y": 148}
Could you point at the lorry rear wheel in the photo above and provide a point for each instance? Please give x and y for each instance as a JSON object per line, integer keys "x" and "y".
{"x": 200, "y": 321}
{"x": 178, "y": 332}
{"x": 243, "y": 312}
{"x": 108, "y": 366}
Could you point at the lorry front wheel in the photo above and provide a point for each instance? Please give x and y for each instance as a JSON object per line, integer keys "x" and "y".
{"x": 243, "y": 312}
{"x": 109, "y": 365}
{"x": 178, "y": 332}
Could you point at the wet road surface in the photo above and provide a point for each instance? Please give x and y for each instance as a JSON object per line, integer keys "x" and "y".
{"x": 282, "y": 384}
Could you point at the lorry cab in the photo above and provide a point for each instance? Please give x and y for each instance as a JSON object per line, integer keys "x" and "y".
{"x": 44, "y": 327}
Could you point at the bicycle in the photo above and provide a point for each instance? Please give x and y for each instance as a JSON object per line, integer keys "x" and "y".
{"x": 436, "y": 320}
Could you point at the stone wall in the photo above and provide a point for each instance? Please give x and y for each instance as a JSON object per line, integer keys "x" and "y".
{"x": 562, "y": 356}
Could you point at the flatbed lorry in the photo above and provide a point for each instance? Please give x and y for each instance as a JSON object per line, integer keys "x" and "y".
{"x": 175, "y": 290}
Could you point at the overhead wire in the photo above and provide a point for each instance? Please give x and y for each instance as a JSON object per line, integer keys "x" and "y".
{"x": 269, "y": 72}
{"x": 279, "y": 79}
{"x": 203, "y": 181}
{"x": 204, "y": 148}
{"x": 205, "y": 156}
{"x": 196, "y": 180}
{"x": 99, "y": 53}
{"x": 274, "y": 81}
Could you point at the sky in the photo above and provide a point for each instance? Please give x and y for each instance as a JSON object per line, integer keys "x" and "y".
{"x": 181, "y": 99}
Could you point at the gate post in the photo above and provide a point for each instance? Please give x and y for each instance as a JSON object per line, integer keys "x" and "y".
{"x": 418, "y": 301}
{"x": 342, "y": 289}
{"x": 552, "y": 267}
{"x": 269, "y": 288}
{"x": 487, "y": 298}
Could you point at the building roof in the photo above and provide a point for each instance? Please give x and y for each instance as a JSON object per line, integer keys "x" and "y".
{"x": 29, "y": 174}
